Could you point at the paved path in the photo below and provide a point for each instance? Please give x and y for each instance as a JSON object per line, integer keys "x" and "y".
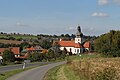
{"x": 19, "y": 66}
{"x": 35, "y": 73}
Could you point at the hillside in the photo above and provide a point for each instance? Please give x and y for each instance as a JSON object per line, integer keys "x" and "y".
{"x": 23, "y": 36}
{"x": 10, "y": 41}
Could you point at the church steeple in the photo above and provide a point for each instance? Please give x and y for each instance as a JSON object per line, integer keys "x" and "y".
{"x": 79, "y": 35}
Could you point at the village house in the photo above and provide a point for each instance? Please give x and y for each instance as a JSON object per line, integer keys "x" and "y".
{"x": 34, "y": 49}
{"x": 77, "y": 45}
{"x": 15, "y": 50}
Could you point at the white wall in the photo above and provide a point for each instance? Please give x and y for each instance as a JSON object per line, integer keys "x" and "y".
{"x": 68, "y": 49}
{"x": 78, "y": 40}
{"x": 77, "y": 50}
{"x": 73, "y": 50}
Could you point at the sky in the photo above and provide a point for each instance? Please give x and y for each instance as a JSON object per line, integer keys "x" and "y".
{"x": 95, "y": 17}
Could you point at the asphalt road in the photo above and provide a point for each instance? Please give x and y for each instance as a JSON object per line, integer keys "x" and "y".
{"x": 19, "y": 66}
{"x": 35, "y": 73}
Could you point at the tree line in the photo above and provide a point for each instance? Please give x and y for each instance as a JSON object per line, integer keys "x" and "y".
{"x": 108, "y": 44}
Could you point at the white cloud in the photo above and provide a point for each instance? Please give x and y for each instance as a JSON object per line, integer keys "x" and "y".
{"x": 72, "y": 28}
{"x": 102, "y": 2}
{"x": 21, "y": 24}
{"x": 99, "y": 14}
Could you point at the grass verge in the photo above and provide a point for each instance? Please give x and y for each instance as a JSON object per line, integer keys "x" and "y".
{"x": 52, "y": 74}
{"x": 62, "y": 72}
{"x": 70, "y": 75}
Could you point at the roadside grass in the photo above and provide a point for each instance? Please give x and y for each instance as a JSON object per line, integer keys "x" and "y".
{"x": 70, "y": 75}
{"x": 52, "y": 74}
{"x": 5, "y": 75}
{"x": 61, "y": 72}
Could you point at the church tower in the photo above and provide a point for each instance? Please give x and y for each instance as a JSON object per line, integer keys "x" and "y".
{"x": 79, "y": 35}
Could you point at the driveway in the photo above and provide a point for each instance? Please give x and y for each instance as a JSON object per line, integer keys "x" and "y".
{"x": 35, "y": 73}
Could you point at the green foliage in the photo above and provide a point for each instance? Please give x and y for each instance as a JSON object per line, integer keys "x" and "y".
{"x": 34, "y": 57}
{"x": 8, "y": 56}
{"x": 46, "y": 44}
{"x": 64, "y": 53}
{"x": 108, "y": 44}
{"x": 24, "y": 45}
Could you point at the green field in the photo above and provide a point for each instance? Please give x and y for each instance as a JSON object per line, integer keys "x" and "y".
{"x": 19, "y": 36}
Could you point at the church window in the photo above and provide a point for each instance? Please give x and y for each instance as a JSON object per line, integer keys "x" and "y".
{"x": 77, "y": 50}
{"x": 70, "y": 49}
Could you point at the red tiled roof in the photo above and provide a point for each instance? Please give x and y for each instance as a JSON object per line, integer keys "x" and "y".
{"x": 69, "y": 44}
{"x": 77, "y": 45}
{"x": 87, "y": 44}
{"x": 15, "y": 50}
{"x": 2, "y": 50}
{"x": 30, "y": 49}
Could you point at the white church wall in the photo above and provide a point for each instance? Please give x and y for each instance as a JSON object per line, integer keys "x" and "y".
{"x": 68, "y": 49}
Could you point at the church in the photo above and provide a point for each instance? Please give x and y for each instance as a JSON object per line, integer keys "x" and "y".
{"x": 77, "y": 45}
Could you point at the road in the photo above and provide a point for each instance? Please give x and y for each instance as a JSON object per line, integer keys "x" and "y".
{"x": 19, "y": 66}
{"x": 35, "y": 73}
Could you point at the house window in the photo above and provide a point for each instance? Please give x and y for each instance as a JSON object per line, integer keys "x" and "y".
{"x": 75, "y": 50}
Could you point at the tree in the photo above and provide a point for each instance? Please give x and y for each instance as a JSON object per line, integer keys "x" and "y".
{"x": 8, "y": 56}
{"x": 67, "y": 35}
{"x": 64, "y": 53}
{"x": 24, "y": 45}
{"x": 108, "y": 44}
{"x": 46, "y": 44}
{"x": 34, "y": 57}
{"x": 62, "y": 35}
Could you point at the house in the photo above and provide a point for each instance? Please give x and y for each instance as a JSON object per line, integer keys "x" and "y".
{"x": 15, "y": 50}
{"x": 75, "y": 46}
{"x": 37, "y": 49}
{"x": 27, "y": 51}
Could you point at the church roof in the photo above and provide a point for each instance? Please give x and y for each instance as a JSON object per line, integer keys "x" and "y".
{"x": 87, "y": 44}
{"x": 79, "y": 33}
{"x": 69, "y": 44}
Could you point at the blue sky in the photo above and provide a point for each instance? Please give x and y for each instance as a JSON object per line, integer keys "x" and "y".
{"x": 59, "y": 16}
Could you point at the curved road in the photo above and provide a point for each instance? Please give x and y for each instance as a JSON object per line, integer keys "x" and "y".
{"x": 19, "y": 66}
{"x": 35, "y": 73}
